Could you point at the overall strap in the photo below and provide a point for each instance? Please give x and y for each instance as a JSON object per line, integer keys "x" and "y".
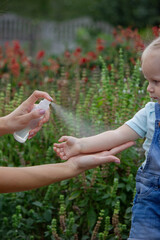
{"x": 157, "y": 111}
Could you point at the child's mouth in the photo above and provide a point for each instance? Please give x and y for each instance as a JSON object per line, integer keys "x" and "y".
{"x": 154, "y": 97}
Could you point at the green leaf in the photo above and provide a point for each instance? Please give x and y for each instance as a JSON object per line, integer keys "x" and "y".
{"x": 38, "y": 204}
{"x": 92, "y": 216}
{"x": 47, "y": 215}
{"x": 123, "y": 197}
{"x": 74, "y": 195}
{"x": 128, "y": 187}
{"x": 100, "y": 103}
{"x": 128, "y": 210}
{"x": 64, "y": 182}
{"x": 121, "y": 185}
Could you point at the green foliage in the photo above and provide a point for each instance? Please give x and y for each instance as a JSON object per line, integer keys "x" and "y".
{"x": 97, "y": 204}
{"x": 122, "y": 12}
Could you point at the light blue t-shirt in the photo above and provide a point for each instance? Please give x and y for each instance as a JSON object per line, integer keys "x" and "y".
{"x": 143, "y": 123}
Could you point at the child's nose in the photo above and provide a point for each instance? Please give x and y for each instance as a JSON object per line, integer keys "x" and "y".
{"x": 150, "y": 88}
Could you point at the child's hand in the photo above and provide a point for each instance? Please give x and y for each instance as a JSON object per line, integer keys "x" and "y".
{"x": 85, "y": 162}
{"x": 69, "y": 147}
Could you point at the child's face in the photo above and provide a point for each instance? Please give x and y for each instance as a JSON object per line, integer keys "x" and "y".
{"x": 151, "y": 71}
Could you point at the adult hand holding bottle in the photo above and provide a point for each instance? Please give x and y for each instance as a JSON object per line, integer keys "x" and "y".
{"x": 21, "y": 116}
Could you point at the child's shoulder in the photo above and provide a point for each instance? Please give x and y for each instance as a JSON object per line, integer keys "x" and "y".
{"x": 150, "y": 107}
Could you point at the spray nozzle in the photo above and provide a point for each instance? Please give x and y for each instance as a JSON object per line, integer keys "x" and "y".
{"x": 44, "y": 104}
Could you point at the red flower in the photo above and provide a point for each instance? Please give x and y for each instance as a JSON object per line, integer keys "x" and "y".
{"x": 114, "y": 32}
{"x": 93, "y": 67}
{"x": 100, "y": 41}
{"x": 54, "y": 66}
{"x": 50, "y": 80}
{"x": 100, "y": 48}
{"x": 16, "y": 47}
{"x": 66, "y": 75}
{"x": 156, "y": 31}
{"x": 132, "y": 61}
{"x": 128, "y": 47}
{"x": 119, "y": 40}
{"x": 67, "y": 54}
{"x": 85, "y": 79}
{"x": 100, "y": 44}
{"x": 15, "y": 68}
{"x": 40, "y": 54}
{"x": 139, "y": 45}
{"x": 91, "y": 56}
{"x": 20, "y": 84}
{"x": 109, "y": 67}
{"x": 83, "y": 60}
{"x": 77, "y": 52}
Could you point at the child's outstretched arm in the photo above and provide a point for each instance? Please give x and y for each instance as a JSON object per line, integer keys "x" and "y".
{"x": 71, "y": 146}
{"x": 15, "y": 179}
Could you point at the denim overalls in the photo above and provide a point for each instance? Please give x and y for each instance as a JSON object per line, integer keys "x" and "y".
{"x": 146, "y": 209}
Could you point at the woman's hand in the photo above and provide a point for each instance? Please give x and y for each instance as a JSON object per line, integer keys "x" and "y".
{"x": 21, "y": 116}
{"x": 84, "y": 162}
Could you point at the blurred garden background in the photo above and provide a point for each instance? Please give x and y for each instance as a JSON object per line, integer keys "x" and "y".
{"x": 86, "y": 55}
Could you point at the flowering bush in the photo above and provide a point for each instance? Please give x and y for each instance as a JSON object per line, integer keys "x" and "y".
{"x": 102, "y": 91}
{"x": 18, "y": 68}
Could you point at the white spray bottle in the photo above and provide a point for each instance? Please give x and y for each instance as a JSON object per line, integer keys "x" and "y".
{"x": 22, "y": 135}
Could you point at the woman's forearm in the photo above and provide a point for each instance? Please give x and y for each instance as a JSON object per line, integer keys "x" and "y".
{"x": 15, "y": 179}
{"x": 3, "y": 126}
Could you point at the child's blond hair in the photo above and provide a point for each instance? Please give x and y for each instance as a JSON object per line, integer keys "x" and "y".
{"x": 155, "y": 44}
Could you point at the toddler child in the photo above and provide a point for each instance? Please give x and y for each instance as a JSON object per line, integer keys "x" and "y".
{"x": 145, "y": 124}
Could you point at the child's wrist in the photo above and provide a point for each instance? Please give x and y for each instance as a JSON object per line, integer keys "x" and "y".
{"x": 81, "y": 143}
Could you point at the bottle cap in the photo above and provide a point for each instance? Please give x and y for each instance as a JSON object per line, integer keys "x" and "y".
{"x": 44, "y": 104}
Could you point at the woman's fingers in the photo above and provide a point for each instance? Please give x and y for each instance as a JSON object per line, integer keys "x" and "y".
{"x": 120, "y": 148}
{"x": 36, "y": 95}
{"x": 33, "y": 132}
{"x": 45, "y": 118}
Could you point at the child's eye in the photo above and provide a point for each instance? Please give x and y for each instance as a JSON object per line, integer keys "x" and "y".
{"x": 156, "y": 82}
